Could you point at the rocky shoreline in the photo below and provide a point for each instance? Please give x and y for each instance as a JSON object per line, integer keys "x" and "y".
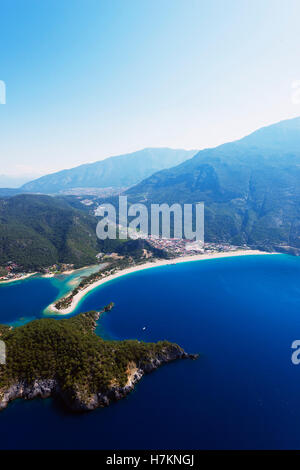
{"x": 66, "y": 359}
{"x": 74, "y": 399}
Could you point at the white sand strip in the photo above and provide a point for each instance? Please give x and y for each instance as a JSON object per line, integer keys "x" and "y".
{"x": 79, "y": 296}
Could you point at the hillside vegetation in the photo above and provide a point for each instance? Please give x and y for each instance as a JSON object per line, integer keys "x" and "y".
{"x": 250, "y": 187}
{"x": 66, "y": 357}
{"x": 38, "y": 231}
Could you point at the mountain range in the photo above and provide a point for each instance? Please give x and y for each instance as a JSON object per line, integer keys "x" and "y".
{"x": 118, "y": 172}
{"x": 250, "y": 187}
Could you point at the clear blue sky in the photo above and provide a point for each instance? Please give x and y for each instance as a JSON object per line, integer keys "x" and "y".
{"x": 87, "y": 79}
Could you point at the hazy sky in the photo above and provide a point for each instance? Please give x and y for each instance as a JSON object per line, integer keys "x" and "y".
{"x": 87, "y": 79}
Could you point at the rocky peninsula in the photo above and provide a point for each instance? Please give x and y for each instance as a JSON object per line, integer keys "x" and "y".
{"x": 65, "y": 358}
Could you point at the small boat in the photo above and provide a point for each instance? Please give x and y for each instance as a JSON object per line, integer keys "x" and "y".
{"x": 144, "y": 328}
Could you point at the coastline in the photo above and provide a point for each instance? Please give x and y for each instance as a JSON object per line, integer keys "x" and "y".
{"x": 70, "y": 271}
{"x": 47, "y": 275}
{"x": 63, "y": 273}
{"x": 8, "y": 281}
{"x": 184, "y": 259}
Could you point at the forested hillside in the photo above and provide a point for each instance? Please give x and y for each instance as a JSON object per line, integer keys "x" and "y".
{"x": 37, "y": 231}
{"x": 251, "y": 187}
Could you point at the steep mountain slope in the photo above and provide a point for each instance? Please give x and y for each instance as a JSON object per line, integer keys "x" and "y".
{"x": 251, "y": 187}
{"x": 114, "y": 172}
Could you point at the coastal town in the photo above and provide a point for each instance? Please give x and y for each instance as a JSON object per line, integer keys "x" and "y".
{"x": 14, "y": 272}
{"x": 183, "y": 247}
{"x": 171, "y": 247}
{"x": 117, "y": 266}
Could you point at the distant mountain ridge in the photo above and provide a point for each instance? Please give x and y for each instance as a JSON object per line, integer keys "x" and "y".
{"x": 251, "y": 187}
{"x": 114, "y": 172}
{"x": 8, "y": 192}
{"x": 7, "y": 181}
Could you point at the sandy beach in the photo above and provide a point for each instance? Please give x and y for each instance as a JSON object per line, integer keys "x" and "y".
{"x": 80, "y": 295}
{"x": 21, "y": 278}
{"x": 67, "y": 273}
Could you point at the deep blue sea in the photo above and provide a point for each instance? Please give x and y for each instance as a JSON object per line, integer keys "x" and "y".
{"x": 241, "y": 314}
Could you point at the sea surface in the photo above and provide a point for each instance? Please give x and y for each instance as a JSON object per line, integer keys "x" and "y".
{"x": 241, "y": 314}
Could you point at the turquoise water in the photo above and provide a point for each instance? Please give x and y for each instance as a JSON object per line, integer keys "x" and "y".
{"x": 241, "y": 314}
{"x": 22, "y": 301}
